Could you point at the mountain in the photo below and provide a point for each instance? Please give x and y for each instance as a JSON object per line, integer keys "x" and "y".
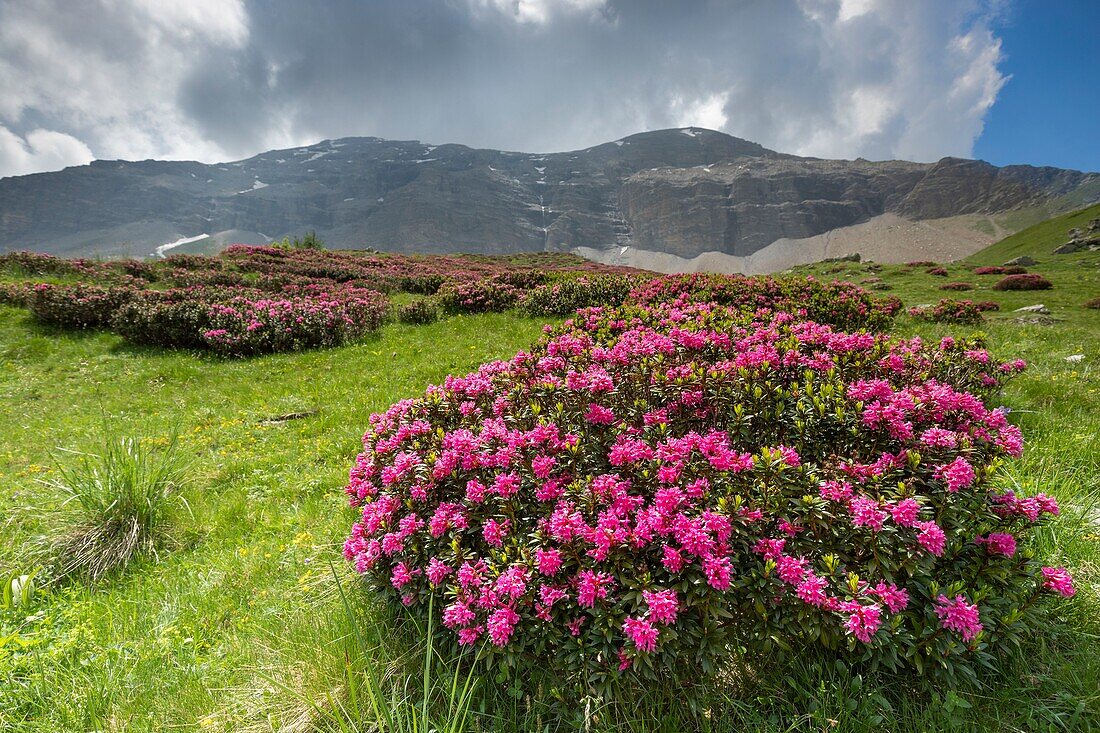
{"x": 676, "y": 199}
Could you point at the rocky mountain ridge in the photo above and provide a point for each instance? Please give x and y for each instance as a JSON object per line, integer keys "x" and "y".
{"x": 683, "y": 192}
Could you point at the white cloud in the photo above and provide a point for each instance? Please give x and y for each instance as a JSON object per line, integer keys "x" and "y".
{"x": 538, "y": 12}
{"x": 219, "y": 79}
{"x": 39, "y": 150}
{"x": 112, "y": 71}
{"x": 708, "y": 111}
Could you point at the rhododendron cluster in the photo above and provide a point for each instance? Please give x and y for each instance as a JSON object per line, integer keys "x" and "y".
{"x": 953, "y": 311}
{"x": 650, "y": 488}
{"x": 840, "y": 304}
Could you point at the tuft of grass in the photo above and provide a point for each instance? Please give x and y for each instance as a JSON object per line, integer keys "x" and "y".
{"x": 114, "y": 507}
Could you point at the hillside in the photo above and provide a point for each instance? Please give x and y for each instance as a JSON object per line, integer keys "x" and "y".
{"x": 1038, "y": 241}
{"x": 678, "y": 193}
{"x": 237, "y": 624}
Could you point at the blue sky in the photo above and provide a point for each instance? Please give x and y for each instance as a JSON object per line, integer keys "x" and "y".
{"x": 1048, "y": 112}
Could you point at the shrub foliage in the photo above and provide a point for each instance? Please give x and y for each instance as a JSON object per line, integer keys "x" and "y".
{"x": 653, "y": 489}
{"x": 949, "y": 310}
{"x": 1030, "y": 281}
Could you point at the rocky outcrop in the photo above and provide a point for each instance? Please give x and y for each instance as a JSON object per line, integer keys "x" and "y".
{"x": 1082, "y": 241}
{"x": 682, "y": 192}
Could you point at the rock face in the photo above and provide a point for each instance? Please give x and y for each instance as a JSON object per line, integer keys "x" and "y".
{"x": 1082, "y": 241}
{"x": 682, "y": 192}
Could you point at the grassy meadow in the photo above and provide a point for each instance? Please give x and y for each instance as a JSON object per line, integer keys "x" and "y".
{"x": 237, "y": 622}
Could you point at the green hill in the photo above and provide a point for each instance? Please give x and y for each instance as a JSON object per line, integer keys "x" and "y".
{"x": 1036, "y": 241}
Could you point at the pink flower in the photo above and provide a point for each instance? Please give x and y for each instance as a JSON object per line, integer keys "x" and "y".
{"x": 549, "y": 595}
{"x": 506, "y": 484}
{"x": 548, "y": 561}
{"x": 791, "y": 569}
{"x": 1059, "y": 581}
{"x": 812, "y": 590}
{"x": 959, "y": 616}
{"x": 836, "y": 490}
{"x": 512, "y": 583}
{"x": 437, "y": 571}
{"x": 475, "y": 491}
{"x": 905, "y": 512}
{"x": 866, "y": 512}
{"x": 592, "y": 586}
{"x": 469, "y": 635}
{"x": 896, "y": 599}
{"x": 863, "y": 621}
{"x": 790, "y": 456}
{"x": 931, "y": 537}
{"x": 957, "y": 475}
{"x": 642, "y": 633}
{"x": 501, "y": 625}
{"x": 458, "y": 614}
{"x": 494, "y": 531}
{"x": 672, "y": 560}
{"x": 999, "y": 543}
{"x": 718, "y": 571}
{"x": 401, "y": 575}
{"x": 663, "y": 605}
{"x": 771, "y": 549}
{"x": 599, "y": 415}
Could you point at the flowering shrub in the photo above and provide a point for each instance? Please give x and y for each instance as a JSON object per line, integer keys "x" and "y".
{"x": 840, "y": 304}
{"x": 259, "y": 299}
{"x": 920, "y": 263}
{"x": 650, "y": 489}
{"x": 242, "y": 325}
{"x": 76, "y": 306}
{"x": 953, "y": 311}
{"x": 1000, "y": 270}
{"x": 937, "y": 271}
{"x": 420, "y": 311}
{"x": 1093, "y": 303}
{"x": 568, "y": 295}
{"x": 478, "y": 296}
{"x": 956, "y": 286}
{"x": 18, "y": 294}
{"x": 1030, "y": 281}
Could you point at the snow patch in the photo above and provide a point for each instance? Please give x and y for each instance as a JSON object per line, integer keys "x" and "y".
{"x": 256, "y": 186}
{"x": 164, "y": 248}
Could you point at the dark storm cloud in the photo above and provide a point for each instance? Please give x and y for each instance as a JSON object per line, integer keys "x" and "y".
{"x": 213, "y": 79}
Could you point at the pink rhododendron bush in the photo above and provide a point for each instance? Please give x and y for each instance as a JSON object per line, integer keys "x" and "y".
{"x": 840, "y": 304}
{"x": 652, "y": 492}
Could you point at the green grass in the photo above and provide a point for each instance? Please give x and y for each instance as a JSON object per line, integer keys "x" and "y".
{"x": 1037, "y": 241}
{"x": 240, "y": 625}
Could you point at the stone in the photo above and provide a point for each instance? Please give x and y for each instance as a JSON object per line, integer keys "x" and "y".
{"x": 1022, "y": 261}
{"x": 1037, "y": 308}
{"x": 1036, "y": 320}
{"x": 1074, "y": 358}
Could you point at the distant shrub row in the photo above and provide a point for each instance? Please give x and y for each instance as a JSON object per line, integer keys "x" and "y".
{"x": 953, "y": 311}
{"x": 228, "y": 321}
